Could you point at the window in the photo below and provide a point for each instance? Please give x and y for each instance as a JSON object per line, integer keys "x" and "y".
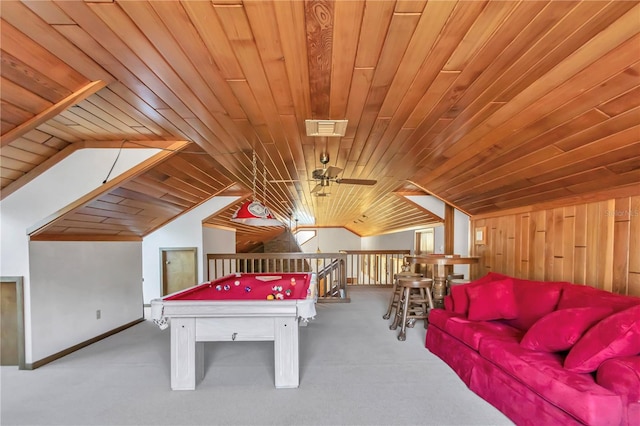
{"x": 425, "y": 241}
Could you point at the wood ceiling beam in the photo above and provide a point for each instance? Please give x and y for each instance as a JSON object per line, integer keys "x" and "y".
{"x": 52, "y": 111}
{"x": 106, "y": 187}
{"x": 70, "y": 149}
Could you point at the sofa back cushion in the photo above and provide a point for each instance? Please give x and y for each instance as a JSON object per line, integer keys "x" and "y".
{"x": 561, "y": 329}
{"x": 492, "y": 301}
{"x": 535, "y": 299}
{"x": 580, "y": 296}
{"x": 615, "y": 336}
{"x": 459, "y": 297}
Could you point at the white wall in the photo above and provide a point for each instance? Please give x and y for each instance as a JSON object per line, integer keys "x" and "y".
{"x": 461, "y": 240}
{"x": 331, "y": 240}
{"x": 184, "y": 231}
{"x": 396, "y": 241}
{"x": 429, "y": 202}
{"x": 70, "y": 281}
{"x": 72, "y": 178}
{"x": 216, "y": 241}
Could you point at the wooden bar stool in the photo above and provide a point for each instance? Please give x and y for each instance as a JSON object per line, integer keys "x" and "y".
{"x": 396, "y": 292}
{"x": 415, "y": 303}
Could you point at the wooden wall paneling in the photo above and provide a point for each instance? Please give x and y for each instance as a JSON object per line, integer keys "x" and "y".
{"x": 557, "y": 243}
{"x": 580, "y": 253}
{"x": 621, "y": 240}
{"x": 634, "y": 231}
{"x": 494, "y": 243}
{"x": 593, "y": 249}
{"x": 511, "y": 258}
{"x": 634, "y": 246}
{"x": 483, "y": 265}
{"x": 538, "y": 240}
{"x": 593, "y": 243}
{"x": 517, "y": 245}
{"x": 607, "y": 235}
{"x": 568, "y": 243}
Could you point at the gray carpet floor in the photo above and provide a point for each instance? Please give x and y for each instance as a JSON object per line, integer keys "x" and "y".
{"x": 353, "y": 371}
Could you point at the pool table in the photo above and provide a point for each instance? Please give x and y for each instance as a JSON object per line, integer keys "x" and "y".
{"x": 238, "y": 307}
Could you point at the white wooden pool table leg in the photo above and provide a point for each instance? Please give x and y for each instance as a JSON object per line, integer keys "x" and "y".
{"x": 186, "y": 356}
{"x": 286, "y": 352}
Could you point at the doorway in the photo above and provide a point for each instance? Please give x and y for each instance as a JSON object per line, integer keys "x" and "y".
{"x": 179, "y": 268}
{"x": 12, "y": 322}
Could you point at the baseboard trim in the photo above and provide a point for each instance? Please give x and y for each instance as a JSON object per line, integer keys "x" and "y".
{"x": 65, "y": 352}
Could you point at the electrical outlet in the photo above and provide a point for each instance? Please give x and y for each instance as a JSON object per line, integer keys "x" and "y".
{"x": 98, "y": 314}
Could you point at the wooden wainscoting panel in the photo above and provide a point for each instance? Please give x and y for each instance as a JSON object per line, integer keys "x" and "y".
{"x": 596, "y": 243}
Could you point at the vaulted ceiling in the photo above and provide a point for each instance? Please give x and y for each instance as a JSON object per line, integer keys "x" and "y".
{"x": 488, "y": 105}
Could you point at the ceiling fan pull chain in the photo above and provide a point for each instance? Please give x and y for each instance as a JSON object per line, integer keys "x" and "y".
{"x": 255, "y": 172}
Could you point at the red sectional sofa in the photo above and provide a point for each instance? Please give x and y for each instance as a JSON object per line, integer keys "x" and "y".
{"x": 543, "y": 353}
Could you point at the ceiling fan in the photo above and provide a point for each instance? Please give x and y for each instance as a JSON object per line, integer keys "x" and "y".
{"x": 326, "y": 175}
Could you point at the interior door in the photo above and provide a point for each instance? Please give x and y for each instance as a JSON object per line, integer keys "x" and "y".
{"x": 8, "y": 323}
{"x": 179, "y": 269}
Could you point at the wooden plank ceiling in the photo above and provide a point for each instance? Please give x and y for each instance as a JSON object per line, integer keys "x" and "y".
{"x": 489, "y": 105}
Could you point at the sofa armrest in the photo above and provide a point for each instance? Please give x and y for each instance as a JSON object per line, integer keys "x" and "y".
{"x": 621, "y": 376}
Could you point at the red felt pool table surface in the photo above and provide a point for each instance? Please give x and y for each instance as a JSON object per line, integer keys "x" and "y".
{"x": 244, "y": 286}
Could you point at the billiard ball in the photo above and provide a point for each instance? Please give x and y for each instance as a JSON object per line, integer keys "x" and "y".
{"x": 247, "y": 289}
{"x": 227, "y": 287}
{"x": 236, "y": 282}
{"x": 293, "y": 281}
{"x": 270, "y": 297}
{"x": 218, "y": 287}
{"x": 287, "y": 292}
{"x": 279, "y": 296}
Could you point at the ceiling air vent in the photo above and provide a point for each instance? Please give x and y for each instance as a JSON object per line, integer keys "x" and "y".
{"x": 326, "y": 127}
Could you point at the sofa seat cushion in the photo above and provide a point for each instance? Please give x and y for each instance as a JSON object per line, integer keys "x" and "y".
{"x": 543, "y": 372}
{"x": 621, "y": 376}
{"x": 439, "y": 317}
{"x": 473, "y": 332}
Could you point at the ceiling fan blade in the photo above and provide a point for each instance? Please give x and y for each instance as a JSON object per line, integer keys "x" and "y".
{"x": 317, "y": 188}
{"x": 332, "y": 172}
{"x": 357, "y": 181}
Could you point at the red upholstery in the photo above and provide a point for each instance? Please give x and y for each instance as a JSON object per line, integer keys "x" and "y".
{"x": 534, "y": 300}
{"x": 534, "y": 387}
{"x": 492, "y": 301}
{"x": 472, "y": 332}
{"x": 560, "y": 330}
{"x": 544, "y": 374}
{"x": 459, "y": 292}
{"x": 622, "y": 376}
{"x": 615, "y": 336}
